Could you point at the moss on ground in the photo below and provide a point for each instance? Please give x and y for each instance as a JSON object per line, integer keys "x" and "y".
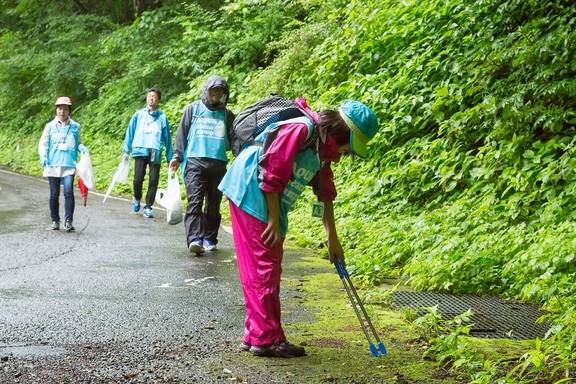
{"x": 336, "y": 348}
{"x": 318, "y": 316}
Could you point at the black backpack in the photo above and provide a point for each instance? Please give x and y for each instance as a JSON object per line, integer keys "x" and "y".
{"x": 253, "y": 120}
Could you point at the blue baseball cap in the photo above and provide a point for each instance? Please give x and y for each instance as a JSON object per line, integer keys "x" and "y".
{"x": 363, "y": 125}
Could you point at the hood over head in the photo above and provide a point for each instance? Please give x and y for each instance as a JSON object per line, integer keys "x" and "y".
{"x": 215, "y": 82}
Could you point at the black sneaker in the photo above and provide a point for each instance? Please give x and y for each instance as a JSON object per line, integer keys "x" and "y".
{"x": 55, "y": 226}
{"x": 68, "y": 226}
{"x": 283, "y": 349}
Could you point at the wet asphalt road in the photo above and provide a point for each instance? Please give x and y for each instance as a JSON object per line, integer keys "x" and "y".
{"x": 119, "y": 300}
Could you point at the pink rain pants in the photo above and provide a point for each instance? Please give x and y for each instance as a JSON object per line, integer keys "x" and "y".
{"x": 260, "y": 268}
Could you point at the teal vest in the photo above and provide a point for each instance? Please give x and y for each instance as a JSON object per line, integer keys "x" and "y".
{"x": 148, "y": 133}
{"x": 242, "y": 187}
{"x": 207, "y": 135}
{"x": 63, "y": 144}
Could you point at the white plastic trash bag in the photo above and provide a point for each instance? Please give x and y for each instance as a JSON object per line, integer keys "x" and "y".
{"x": 122, "y": 171}
{"x": 84, "y": 169}
{"x": 120, "y": 176}
{"x": 170, "y": 199}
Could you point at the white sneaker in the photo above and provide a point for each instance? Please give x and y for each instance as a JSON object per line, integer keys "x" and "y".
{"x": 196, "y": 247}
{"x": 148, "y": 212}
{"x": 209, "y": 245}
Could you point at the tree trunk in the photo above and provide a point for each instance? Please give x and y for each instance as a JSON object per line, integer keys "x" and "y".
{"x": 81, "y": 6}
{"x": 142, "y": 5}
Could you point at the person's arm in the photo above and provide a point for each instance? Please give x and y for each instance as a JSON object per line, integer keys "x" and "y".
{"x": 271, "y": 235}
{"x": 324, "y": 189}
{"x": 43, "y": 145}
{"x": 181, "y": 137}
{"x": 166, "y": 140}
{"x": 278, "y": 160}
{"x": 335, "y": 250}
{"x": 129, "y": 137}
{"x": 277, "y": 167}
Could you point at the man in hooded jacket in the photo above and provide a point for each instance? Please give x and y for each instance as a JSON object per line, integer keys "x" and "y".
{"x": 200, "y": 146}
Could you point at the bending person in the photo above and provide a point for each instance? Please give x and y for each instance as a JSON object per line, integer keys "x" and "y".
{"x": 262, "y": 185}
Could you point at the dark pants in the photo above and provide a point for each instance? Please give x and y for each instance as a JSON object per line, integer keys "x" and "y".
{"x": 140, "y": 164}
{"x": 201, "y": 178}
{"x": 68, "y": 183}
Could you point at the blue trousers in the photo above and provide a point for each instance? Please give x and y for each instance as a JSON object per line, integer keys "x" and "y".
{"x": 68, "y": 183}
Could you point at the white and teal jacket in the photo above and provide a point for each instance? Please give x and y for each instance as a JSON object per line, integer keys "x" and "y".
{"x": 147, "y": 132}
{"x": 58, "y": 146}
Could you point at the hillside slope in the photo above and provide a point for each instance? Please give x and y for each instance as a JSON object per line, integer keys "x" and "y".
{"x": 470, "y": 185}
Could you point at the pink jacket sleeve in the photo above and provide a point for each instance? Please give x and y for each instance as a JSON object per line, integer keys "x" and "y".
{"x": 277, "y": 170}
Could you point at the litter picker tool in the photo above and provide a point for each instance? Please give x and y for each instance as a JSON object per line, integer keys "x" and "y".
{"x": 377, "y": 347}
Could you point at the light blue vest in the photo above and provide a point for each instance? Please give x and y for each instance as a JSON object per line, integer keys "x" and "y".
{"x": 207, "y": 135}
{"x": 242, "y": 187}
{"x": 148, "y": 133}
{"x": 63, "y": 144}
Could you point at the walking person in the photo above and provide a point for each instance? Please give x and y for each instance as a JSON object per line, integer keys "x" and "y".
{"x": 262, "y": 185}
{"x": 147, "y": 134}
{"x": 58, "y": 151}
{"x": 200, "y": 146}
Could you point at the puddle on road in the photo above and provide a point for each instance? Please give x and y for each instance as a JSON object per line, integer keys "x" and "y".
{"x": 15, "y": 293}
{"x": 35, "y": 351}
{"x": 187, "y": 283}
{"x": 15, "y": 221}
{"x": 204, "y": 270}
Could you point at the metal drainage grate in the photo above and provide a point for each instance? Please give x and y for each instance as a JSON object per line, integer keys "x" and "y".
{"x": 493, "y": 317}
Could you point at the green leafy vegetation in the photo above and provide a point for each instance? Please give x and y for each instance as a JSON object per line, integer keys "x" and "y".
{"x": 470, "y": 185}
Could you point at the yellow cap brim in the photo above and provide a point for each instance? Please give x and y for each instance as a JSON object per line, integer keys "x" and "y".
{"x": 357, "y": 139}
{"x": 358, "y": 146}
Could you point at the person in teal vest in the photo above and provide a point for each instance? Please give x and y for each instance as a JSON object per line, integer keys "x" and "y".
{"x": 58, "y": 151}
{"x": 200, "y": 146}
{"x": 147, "y": 133}
{"x": 263, "y": 183}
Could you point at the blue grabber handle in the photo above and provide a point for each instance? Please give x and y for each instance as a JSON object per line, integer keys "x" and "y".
{"x": 342, "y": 272}
{"x": 360, "y": 311}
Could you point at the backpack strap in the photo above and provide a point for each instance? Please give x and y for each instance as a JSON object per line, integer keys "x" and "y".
{"x": 312, "y": 140}
{"x": 312, "y": 137}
